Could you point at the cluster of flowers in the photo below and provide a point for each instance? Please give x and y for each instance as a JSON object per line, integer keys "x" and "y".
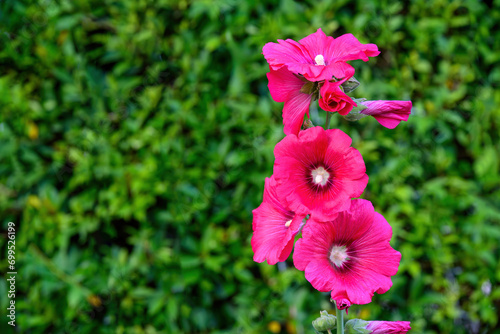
{"x": 344, "y": 248}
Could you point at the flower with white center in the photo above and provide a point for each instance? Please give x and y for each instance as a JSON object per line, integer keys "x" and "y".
{"x": 318, "y": 172}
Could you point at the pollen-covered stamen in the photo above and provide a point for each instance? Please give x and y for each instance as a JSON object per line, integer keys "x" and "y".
{"x": 338, "y": 255}
{"x": 287, "y": 224}
{"x": 320, "y": 176}
{"x": 319, "y": 60}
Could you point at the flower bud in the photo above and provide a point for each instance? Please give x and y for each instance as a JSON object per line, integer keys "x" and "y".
{"x": 388, "y": 113}
{"x": 333, "y": 99}
{"x": 307, "y": 124}
{"x": 350, "y": 85}
{"x": 325, "y": 322}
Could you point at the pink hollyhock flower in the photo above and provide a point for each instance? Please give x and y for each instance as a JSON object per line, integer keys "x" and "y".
{"x": 286, "y": 87}
{"x": 388, "y": 327}
{"x": 350, "y": 255}
{"x": 333, "y": 99}
{"x": 274, "y": 227}
{"x": 317, "y": 172}
{"x": 318, "y": 57}
{"x": 388, "y": 113}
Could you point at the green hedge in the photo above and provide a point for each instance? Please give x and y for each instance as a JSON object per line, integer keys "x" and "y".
{"x": 135, "y": 137}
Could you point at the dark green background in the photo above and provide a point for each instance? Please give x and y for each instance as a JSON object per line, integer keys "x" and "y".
{"x": 135, "y": 137}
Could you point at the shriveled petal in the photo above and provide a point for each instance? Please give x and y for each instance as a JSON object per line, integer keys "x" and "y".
{"x": 388, "y": 113}
{"x": 343, "y": 303}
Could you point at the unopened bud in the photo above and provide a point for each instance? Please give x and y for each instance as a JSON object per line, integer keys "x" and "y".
{"x": 325, "y": 322}
{"x": 350, "y": 85}
{"x": 307, "y": 124}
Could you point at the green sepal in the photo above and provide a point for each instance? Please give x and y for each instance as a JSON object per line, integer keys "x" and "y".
{"x": 308, "y": 88}
{"x": 356, "y": 326}
{"x": 360, "y": 104}
{"x": 355, "y": 115}
{"x": 350, "y": 85}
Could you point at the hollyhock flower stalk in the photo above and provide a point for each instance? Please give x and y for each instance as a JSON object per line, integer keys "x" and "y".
{"x": 344, "y": 248}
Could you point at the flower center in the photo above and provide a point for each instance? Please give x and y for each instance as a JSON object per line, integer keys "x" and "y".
{"x": 319, "y": 60}
{"x": 338, "y": 255}
{"x": 320, "y": 176}
{"x": 287, "y": 224}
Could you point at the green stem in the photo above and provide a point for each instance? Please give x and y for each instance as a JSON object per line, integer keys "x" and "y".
{"x": 327, "y": 123}
{"x": 340, "y": 320}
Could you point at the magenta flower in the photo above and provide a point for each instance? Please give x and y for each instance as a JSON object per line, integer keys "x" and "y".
{"x": 388, "y": 327}
{"x": 274, "y": 227}
{"x": 349, "y": 256}
{"x": 318, "y": 57}
{"x": 317, "y": 172}
{"x": 286, "y": 87}
{"x": 388, "y": 113}
{"x": 333, "y": 99}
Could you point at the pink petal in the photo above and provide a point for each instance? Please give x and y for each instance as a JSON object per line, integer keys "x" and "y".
{"x": 293, "y": 112}
{"x": 285, "y": 87}
{"x": 347, "y": 47}
{"x": 283, "y": 84}
{"x": 319, "y": 274}
{"x": 340, "y": 70}
{"x": 285, "y": 52}
{"x": 388, "y": 327}
{"x": 388, "y": 113}
{"x": 315, "y": 43}
{"x": 330, "y": 92}
{"x": 272, "y": 240}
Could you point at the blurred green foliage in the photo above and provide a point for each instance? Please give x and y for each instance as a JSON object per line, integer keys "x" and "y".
{"x": 135, "y": 137}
